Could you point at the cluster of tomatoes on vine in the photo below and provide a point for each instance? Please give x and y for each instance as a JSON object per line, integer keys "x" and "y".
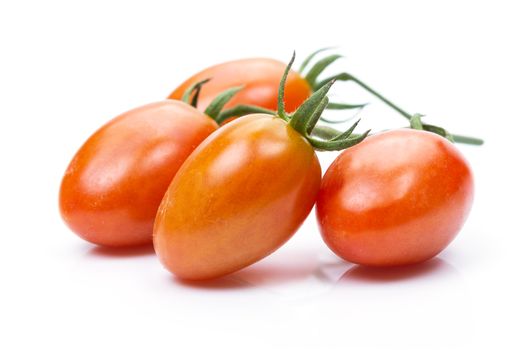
{"x": 225, "y": 171}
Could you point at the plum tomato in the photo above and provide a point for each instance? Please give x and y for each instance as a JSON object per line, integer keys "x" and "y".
{"x": 112, "y": 188}
{"x": 260, "y": 80}
{"x": 400, "y": 197}
{"x": 242, "y": 194}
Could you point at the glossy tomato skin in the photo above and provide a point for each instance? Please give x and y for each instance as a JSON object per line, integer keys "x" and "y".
{"x": 112, "y": 188}
{"x": 242, "y": 194}
{"x": 260, "y": 79}
{"x": 397, "y": 198}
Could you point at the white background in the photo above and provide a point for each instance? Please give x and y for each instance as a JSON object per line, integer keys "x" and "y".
{"x": 67, "y": 67}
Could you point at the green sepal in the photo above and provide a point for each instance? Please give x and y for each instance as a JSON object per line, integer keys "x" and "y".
{"x": 194, "y": 90}
{"x": 347, "y": 133}
{"x": 339, "y": 77}
{"x": 305, "y": 118}
{"x": 300, "y": 118}
{"x": 215, "y": 107}
{"x": 324, "y": 132}
{"x": 318, "y": 68}
{"x": 316, "y": 115}
{"x": 415, "y": 122}
{"x": 311, "y": 56}
{"x": 281, "y": 112}
{"x": 438, "y": 130}
{"x": 341, "y": 106}
{"x": 321, "y": 65}
{"x": 337, "y": 145}
{"x": 240, "y": 110}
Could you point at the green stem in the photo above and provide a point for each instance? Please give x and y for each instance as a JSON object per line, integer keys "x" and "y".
{"x": 318, "y": 68}
{"x": 415, "y": 122}
{"x": 311, "y": 57}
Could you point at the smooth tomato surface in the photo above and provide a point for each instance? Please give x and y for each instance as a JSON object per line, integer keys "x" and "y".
{"x": 260, "y": 78}
{"x": 397, "y": 198}
{"x": 238, "y": 197}
{"x": 112, "y": 188}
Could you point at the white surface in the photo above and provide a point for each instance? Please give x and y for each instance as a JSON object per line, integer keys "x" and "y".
{"x": 67, "y": 67}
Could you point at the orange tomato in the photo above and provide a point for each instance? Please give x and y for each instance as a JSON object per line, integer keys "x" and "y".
{"x": 260, "y": 80}
{"x": 112, "y": 188}
{"x": 239, "y": 196}
{"x": 397, "y": 198}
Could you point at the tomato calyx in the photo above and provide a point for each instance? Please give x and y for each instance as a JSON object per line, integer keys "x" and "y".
{"x": 193, "y": 92}
{"x": 316, "y": 70}
{"x": 214, "y": 109}
{"x": 305, "y": 118}
{"x": 318, "y": 67}
{"x": 417, "y": 124}
{"x": 241, "y": 110}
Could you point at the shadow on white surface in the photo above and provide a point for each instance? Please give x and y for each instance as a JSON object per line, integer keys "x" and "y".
{"x": 341, "y": 272}
{"x": 266, "y": 274}
{"x": 367, "y": 274}
{"x": 119, "y": 253}
{"x": 223, "y": 283}
{"x": 294, "y": 266}
{"x": 308, "y": 275}
{"x": 295, "y": 274}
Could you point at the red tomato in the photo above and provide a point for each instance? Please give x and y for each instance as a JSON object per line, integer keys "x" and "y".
{"x": 260, "y": 78}
{"x": 240, "y": 195}
{"x": 399, "y": 197}
{"x": 111, "y": 191}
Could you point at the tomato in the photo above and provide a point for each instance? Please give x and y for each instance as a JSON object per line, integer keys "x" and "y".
{"x": 400, "y": 197}
{"x": 245, "y": 190}
{"x": 112, "y": 188}
{"x": 240, "y": 195}
{"x": 260, "y": 80}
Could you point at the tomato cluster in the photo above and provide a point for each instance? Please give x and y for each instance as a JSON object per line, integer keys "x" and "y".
{"x": 214, "y": 199}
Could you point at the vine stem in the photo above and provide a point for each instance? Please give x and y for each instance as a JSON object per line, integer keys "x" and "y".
{"x": 321, "y": 65}
{"x": 326, "y": 133}
{"x": 457, "y": 138}
{"x": 381, "y": 97}
{"x": 467, "y": 140}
